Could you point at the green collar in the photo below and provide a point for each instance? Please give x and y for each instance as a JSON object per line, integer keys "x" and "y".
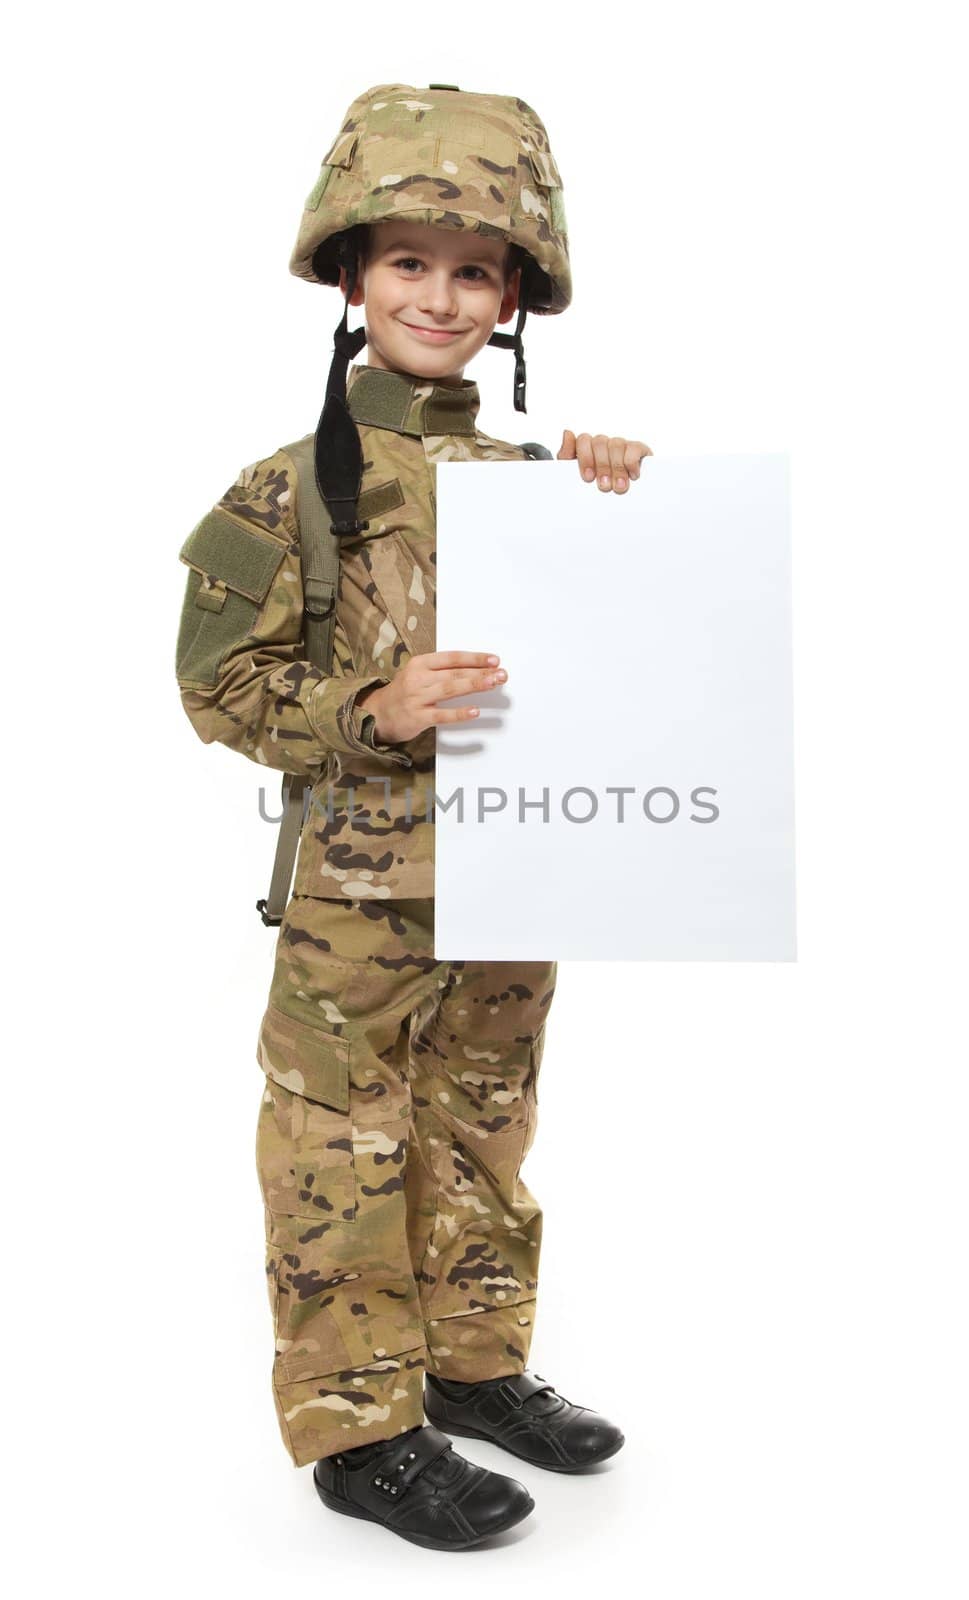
{"x": 417, "y": 406}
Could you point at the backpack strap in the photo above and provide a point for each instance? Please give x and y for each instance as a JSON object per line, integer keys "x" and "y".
{"x": 295, "y": 790}
{"x": 319, "y": 555}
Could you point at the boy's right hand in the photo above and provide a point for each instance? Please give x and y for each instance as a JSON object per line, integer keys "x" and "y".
{"x": 408, "y": 704}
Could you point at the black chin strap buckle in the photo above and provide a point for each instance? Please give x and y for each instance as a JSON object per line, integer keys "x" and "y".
{"x": 519, "y": 389}
{"x": 262, "y": 906}
{"x": 513, "y": 341}
{"x": 347, "y": 529}
{"x": 349, "y": 341}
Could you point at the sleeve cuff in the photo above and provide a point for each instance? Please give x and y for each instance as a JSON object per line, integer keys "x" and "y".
{"x": 339, "y": 722}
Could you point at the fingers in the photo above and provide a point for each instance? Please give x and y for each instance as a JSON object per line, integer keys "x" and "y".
{"x": 625, "y": 455}
{"x": 567, "y": 449}
{"x": 462, "y": 714}
{"x": 634, "y": 453}
{"x": 467, "y": 682}
{"x": 617, "y": 465}
{"x": 600, "y": 458}
{"x": 413, "y": 695}
{"x": 438, "y": 659}
{"x": 613, "y": 462}
{"x": 585, "y": 455}
{"x": 600, "y": 446}
{"x": 459, "y": 683}
{"x": 453, "y": 672}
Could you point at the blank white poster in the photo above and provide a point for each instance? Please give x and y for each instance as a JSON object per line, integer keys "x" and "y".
{"x": 628, "y": 793}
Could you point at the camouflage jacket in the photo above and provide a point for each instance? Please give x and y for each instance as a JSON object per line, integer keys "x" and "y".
{"x": 369, "y": 831}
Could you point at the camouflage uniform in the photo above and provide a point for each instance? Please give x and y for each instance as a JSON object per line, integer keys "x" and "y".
{"x": 399, "y": 1096}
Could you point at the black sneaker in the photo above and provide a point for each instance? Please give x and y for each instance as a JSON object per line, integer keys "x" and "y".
{"x": 523, "y": 1414}
{"x": 419, "y": 1487}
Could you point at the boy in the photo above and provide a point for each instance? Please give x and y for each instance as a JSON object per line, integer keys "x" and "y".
{"x": 399, "y": 1090}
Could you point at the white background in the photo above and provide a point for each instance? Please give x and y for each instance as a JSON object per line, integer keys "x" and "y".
{"x": 754, "y": 1177}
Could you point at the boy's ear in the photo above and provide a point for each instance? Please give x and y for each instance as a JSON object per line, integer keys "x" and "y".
{"x": 509, "y": 300}
{"x": 356, "y": 299}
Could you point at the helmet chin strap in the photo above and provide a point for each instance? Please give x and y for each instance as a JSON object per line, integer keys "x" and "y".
{"x": 513, "y": 341}
{"x": 338, "y": 451}
{"x": 346, "y": 345}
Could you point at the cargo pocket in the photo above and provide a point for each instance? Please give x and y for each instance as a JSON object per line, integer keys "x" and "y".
{"x": 233, "y": 567}
{"x": 304, "y": 1144}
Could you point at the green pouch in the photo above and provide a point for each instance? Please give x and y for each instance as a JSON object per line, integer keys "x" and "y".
{"x": 232, "y": 570}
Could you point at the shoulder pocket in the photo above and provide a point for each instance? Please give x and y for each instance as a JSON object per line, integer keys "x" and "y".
{"x": 232, "y": 570}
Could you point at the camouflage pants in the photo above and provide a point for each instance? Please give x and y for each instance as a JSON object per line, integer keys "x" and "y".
{"x": 399, "y": 1103}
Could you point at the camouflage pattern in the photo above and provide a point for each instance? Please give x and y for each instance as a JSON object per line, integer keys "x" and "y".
{"x": 367, "y": 833}
{"x": 450, "y": 159}
{"x": 400, "y": 1102}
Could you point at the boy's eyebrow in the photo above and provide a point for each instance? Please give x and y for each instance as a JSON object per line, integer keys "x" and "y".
{"x": 477, "y": 256}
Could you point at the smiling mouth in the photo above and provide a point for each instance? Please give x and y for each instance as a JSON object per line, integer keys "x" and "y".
{"x": 434, "y": 335}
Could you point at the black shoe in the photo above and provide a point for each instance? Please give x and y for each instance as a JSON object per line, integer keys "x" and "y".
{"x": 523, "y": 1414}
{"x": 418, "y": 1486}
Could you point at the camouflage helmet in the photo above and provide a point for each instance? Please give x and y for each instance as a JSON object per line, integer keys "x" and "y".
{"x": 448, "y": 158}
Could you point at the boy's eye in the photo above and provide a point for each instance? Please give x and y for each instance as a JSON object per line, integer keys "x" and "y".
{"x": 409, "y": 262}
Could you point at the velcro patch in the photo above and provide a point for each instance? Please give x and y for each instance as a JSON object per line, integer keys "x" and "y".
{"x": 224, "y": 548}
{"x": 382, "y": 497}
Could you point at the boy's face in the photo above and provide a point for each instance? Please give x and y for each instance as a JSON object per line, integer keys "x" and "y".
{"x": 432, "y": 297}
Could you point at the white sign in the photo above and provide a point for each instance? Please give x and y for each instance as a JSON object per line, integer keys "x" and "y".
{"x": 628, "y": 793}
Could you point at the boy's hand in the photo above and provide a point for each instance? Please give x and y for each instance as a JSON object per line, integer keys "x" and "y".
{"x": 612, "y": 461}
{"x": 407, "y": 705}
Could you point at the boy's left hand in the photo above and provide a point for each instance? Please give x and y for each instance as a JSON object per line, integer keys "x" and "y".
{"x": 611, "y": 461}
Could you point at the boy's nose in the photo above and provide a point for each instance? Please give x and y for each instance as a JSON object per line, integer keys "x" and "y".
{"x": 438, "y": 294}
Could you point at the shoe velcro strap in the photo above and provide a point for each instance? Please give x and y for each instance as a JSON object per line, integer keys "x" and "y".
{"x": 521, "y": 1388}
{"x": 401, "y": 1467}
{"x": 495, "y": 1400}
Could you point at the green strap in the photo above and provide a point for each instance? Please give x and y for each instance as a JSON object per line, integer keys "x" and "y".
{"x": 287, "y": 843}
{"x": 319, "y": 554}
{"x": 319, "y": 551}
